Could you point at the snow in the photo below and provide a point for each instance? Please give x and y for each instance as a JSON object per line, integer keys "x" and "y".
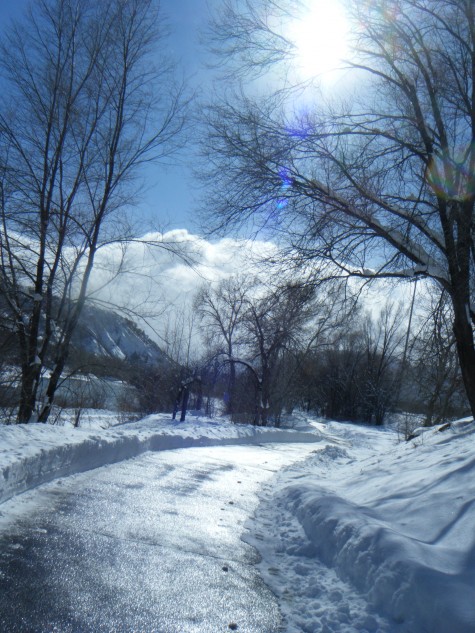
{"x": 393, "y": 521}
{"x": 36, "y": 453}
{"x": 368, "y": 534}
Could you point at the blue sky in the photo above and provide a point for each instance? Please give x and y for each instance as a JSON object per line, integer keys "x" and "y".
{"x": 170, "y": 198}
{"x": 173, "y": 199}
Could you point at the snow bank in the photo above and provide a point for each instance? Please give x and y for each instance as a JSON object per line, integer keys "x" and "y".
{"x": 34, "y": 454}
{"x": 398, "y": 523}
{"x": 368, "y": 534}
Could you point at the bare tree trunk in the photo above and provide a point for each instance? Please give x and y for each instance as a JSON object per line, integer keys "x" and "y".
{"x": 184, "y": 403}
{"x": 53, "y": 386}
{"x": 28, "y": 391}
{"x": 231, "y": 387}
{"x": 465, "y": 348}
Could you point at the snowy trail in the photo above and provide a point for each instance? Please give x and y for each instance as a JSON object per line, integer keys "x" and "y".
{"x": 366, "y": 534}
{"x": 312, "y": 597}
{"x": 148, "y": 545}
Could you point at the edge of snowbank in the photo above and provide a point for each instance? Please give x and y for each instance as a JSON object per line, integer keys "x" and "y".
{"x": 381, "y": 566}
{"x": 38, "y": 453}
{"x": 401, "y": 575}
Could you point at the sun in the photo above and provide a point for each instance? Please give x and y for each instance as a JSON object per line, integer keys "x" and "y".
{"x": 320, "y": 37}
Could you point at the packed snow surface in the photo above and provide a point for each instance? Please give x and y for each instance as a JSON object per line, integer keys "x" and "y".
{"x": 368, "y": 534}
{"x": 33, "y": 454}
{"x": 393, "y": 520}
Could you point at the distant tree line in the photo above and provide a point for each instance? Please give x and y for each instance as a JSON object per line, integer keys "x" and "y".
{"x": 296, "y": 346}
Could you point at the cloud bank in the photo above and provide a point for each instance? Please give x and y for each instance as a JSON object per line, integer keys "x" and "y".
{"x": 158, "y": 274}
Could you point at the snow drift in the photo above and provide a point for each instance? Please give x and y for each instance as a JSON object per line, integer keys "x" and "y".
{"x": 398, "y": 524}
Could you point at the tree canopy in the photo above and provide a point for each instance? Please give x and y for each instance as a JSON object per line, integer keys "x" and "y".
{"x": 380, "y": 181}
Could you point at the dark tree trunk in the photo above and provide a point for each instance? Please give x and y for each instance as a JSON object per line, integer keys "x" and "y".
{"x": 53, "y": 386}
{"x": 231, "y": 387}
{"x": 184, "y": 403}
{"x": 29, "y": 388}
{"x": 459, "y": 260}
{"x": 466, "y": 353}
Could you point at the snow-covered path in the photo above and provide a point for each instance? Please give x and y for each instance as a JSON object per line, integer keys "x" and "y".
{"x": 366, "y": 534}
{"x": 152, "y": 544}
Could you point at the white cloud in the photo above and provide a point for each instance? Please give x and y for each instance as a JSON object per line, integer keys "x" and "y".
{"x": 158, "y": 274}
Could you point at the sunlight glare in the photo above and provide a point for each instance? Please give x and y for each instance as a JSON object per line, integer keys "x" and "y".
{"x": 320, "y": 37}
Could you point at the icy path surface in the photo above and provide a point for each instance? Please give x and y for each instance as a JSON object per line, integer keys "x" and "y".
{"x": 152, "y": 544}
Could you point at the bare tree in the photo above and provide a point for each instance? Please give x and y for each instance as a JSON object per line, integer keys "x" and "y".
{"x": 352, "y": 371}
{"x": 257, "y": 327}
{"x": 382, "y": 186}
{"x": 87, "y": 100}
{"x": 274, "y": 325}
{"x": 222, "y": 310}
{"x": 433, "y": 357}
{"x": 383, "y": 341}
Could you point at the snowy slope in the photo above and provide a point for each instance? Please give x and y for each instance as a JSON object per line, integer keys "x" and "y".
{"x": 106, "y": 333}
{"x": 395, "y": 521}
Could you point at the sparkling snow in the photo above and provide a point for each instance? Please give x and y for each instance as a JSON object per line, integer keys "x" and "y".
{"x": 366, "y": 534}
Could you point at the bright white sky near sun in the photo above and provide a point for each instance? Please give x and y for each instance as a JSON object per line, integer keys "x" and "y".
{"x": 321, "y": 38}
{"x": 170, "y": 195}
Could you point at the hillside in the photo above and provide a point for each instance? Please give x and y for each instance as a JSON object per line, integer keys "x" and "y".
{"x": 109, "y": 357}
{"x": 106, "y": 334}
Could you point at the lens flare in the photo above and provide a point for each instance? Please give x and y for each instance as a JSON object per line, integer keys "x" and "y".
{"x": 451, "y": 175}
{"x": 286, "y": 183}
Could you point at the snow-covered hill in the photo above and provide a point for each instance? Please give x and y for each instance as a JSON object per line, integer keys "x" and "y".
{"x": 105, "y": 333}
{"x": 105, "y": 351}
